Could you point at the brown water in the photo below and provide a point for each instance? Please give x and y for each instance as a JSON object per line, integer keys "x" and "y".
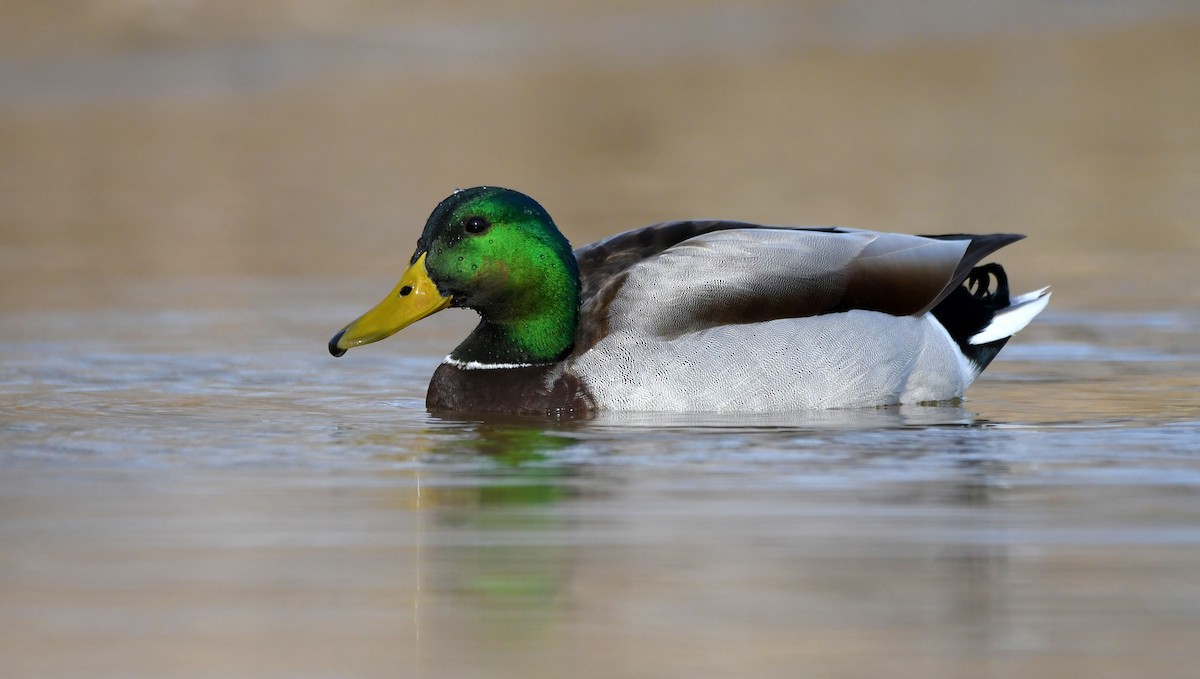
{"x": 190, "y": 204}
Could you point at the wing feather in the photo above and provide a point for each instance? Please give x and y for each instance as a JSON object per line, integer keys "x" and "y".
{"x": 679, "y": 277}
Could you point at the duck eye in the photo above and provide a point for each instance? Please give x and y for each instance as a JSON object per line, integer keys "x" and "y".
{"x": 476, "y": 225}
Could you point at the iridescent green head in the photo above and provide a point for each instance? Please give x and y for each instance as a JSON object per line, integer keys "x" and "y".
{"x": 495, "y": 251}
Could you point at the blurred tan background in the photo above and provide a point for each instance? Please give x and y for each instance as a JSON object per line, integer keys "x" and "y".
{"x": 150, "y": 140}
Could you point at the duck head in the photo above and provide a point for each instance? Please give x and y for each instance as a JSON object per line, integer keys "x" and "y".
{"x": 498, "y": 252}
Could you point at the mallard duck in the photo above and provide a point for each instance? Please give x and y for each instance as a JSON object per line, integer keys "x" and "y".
{"x": 696, "y": 315}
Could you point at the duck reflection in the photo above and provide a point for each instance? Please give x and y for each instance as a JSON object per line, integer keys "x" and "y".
{"x": 513, "y": 442}
{"x": 522, "y": 523}
{"x": 495, "y": 541}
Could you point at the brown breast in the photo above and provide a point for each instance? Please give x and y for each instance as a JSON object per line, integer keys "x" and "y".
{"x": 535, "y": 390}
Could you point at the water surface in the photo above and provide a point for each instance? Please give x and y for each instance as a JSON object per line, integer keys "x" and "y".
{"x": 194, "y": 494}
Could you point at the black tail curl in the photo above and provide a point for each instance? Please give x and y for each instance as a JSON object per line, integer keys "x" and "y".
{"x": 970, "y": 307}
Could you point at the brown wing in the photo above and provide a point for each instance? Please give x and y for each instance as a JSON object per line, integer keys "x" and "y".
{"x": 679, "y": 277}
{"x": 605, "y": 260}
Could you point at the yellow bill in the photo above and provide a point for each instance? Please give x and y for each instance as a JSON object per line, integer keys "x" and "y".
{"x": 414, "y": 298}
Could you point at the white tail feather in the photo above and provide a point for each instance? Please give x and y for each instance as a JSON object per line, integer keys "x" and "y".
{"x": 1012, "y": 318}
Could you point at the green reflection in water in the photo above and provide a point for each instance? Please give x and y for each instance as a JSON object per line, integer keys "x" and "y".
{"x": 510, "y": 557}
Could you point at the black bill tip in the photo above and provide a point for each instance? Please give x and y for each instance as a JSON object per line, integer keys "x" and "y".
{"x": 333, "y": 344}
